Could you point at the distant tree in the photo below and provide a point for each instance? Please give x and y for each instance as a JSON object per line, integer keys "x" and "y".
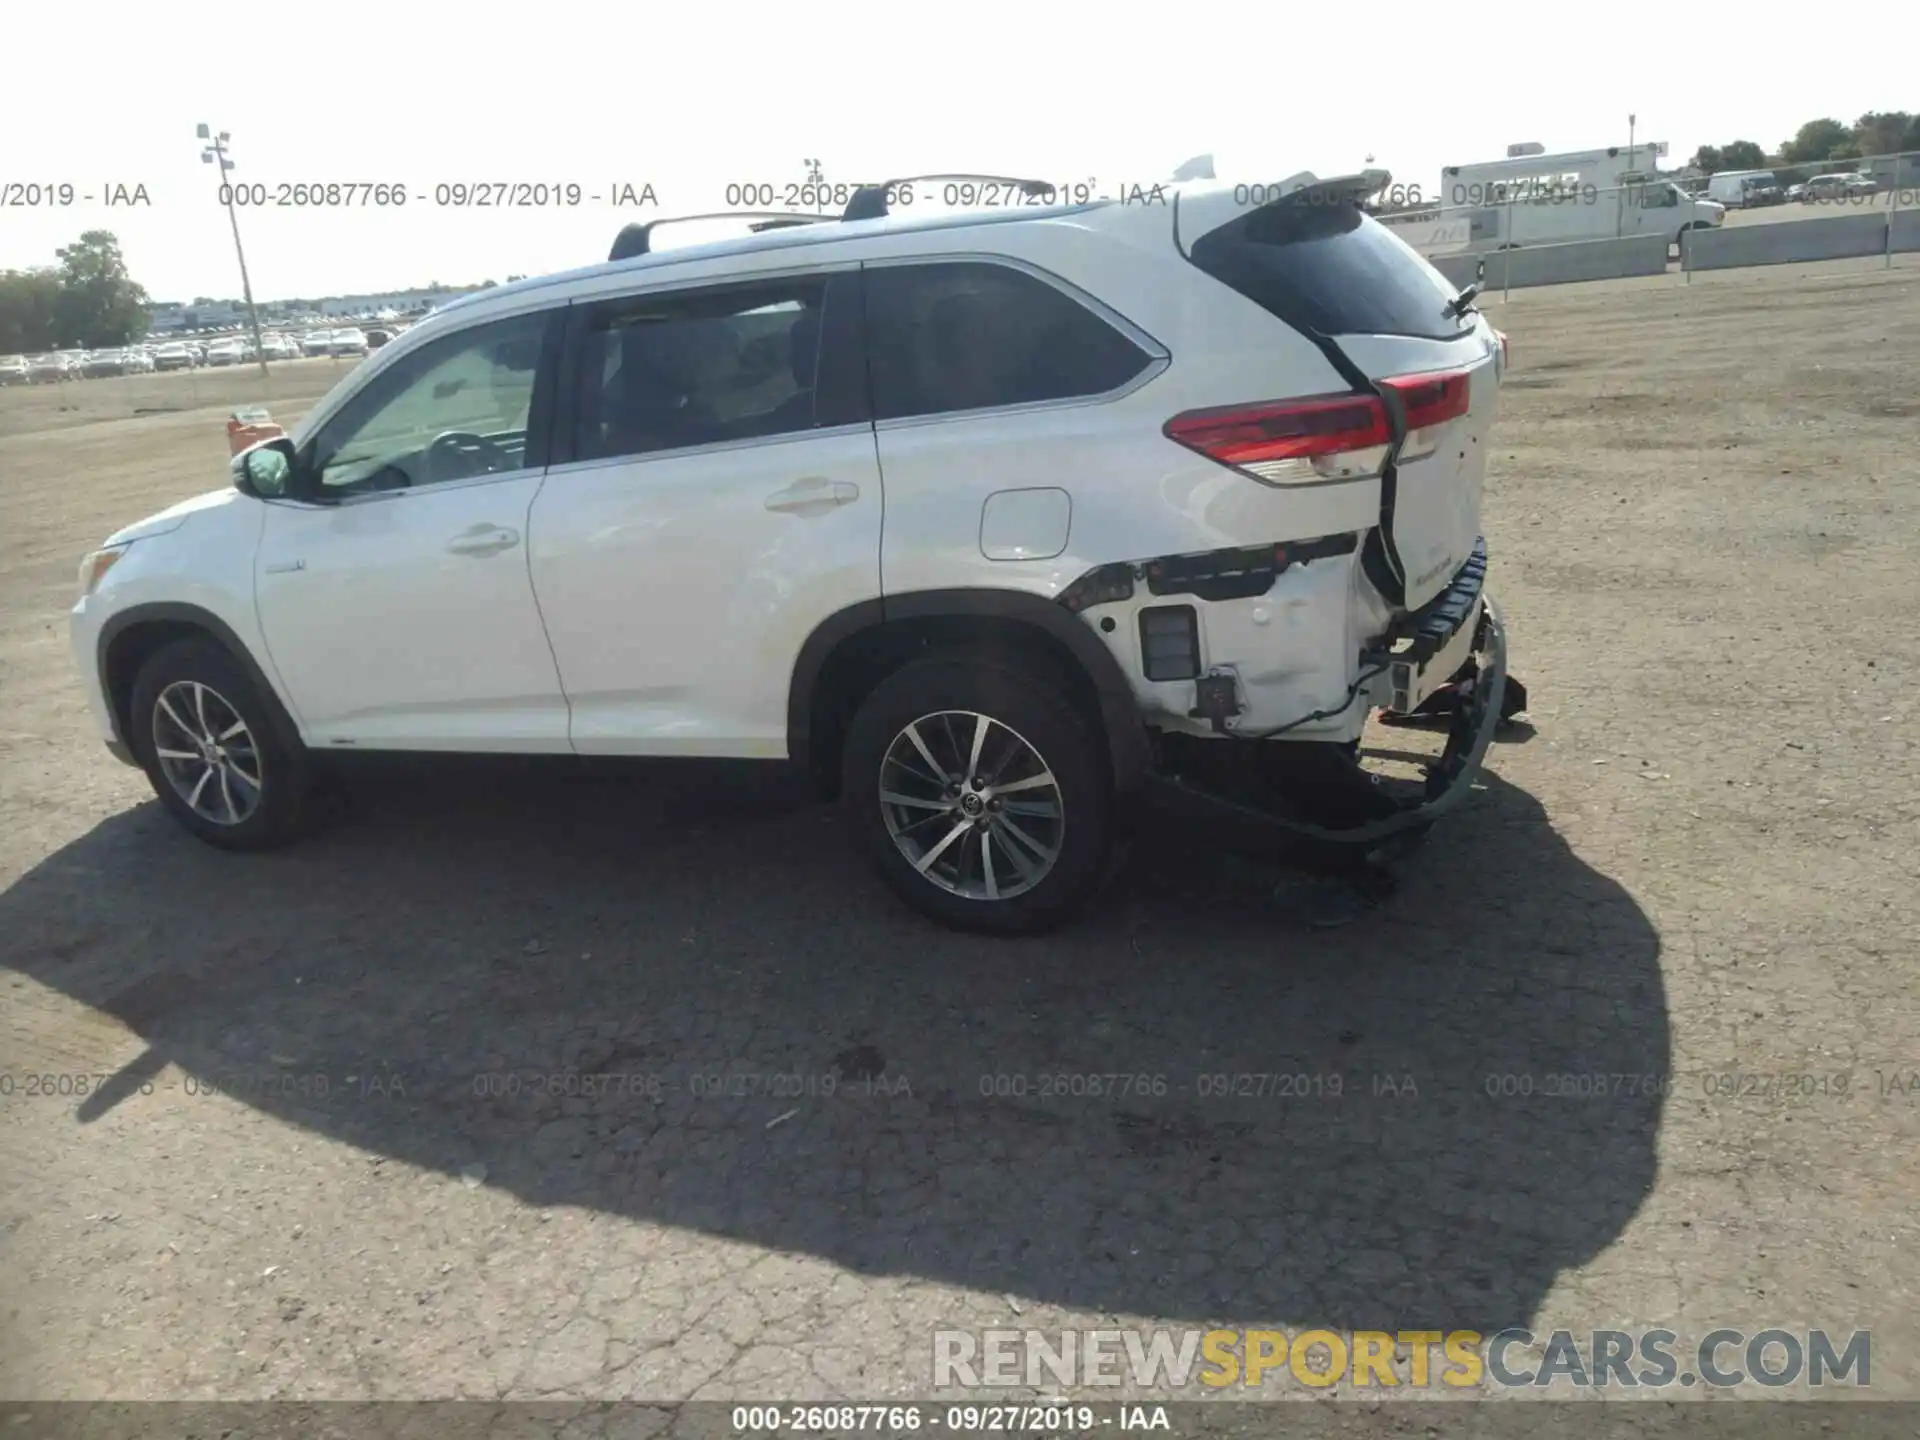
{"x": 29, "y": 300}
{"x": 1815, "y": 141}
{"x": 1846, "y": 152}
{"x": 489, "y": 284}
{"x": 100, "y": 304}
{"x": 1739, "y": 155}
{"x": 1886, "y": 132}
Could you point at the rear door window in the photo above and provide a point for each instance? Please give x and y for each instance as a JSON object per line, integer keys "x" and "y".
{"x": 1330, "y": 269}
{"x": 972, "y": 335}
{"x": 720, "y": 364}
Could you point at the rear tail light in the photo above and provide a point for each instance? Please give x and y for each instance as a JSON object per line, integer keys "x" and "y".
{"x": 1431, "y": 402}
{"x": 1324, "y": 437}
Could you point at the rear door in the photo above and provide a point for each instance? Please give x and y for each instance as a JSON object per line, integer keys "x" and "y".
{"x": 714, "y": 496}
{"x": 1380, "y": 312}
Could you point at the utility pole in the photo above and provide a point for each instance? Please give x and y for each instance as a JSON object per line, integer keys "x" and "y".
{"x": 1620, "y": 209}
{"x": 216, "y": 150}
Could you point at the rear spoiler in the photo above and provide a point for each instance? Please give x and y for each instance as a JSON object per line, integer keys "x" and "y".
{"x": 1206, "y": 205}
{"x": 1336, "y": 189}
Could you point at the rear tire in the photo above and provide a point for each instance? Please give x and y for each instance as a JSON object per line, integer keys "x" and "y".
{"x": 1016, "y": 855}
{"x": 207, "y": 739}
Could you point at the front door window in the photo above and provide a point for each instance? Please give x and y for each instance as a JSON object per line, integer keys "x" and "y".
{"x": 452, "y": 410}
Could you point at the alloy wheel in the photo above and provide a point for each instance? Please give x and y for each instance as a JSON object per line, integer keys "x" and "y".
{"x": 207, "y": 753}
{"x": 972, "y": 805}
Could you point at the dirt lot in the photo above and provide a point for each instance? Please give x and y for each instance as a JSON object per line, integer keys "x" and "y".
{"x": 1703, "y": 519}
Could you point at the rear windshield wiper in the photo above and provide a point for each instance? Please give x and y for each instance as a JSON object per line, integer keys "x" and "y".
{"x": 1458, "y": 307}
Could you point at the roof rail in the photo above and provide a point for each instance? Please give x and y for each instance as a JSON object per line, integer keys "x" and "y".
{"x": 869, "y": 202}
{"x": 637, "y": 239}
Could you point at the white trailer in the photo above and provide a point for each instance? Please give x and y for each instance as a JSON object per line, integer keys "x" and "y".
{"x": 1493, "y": 182}
{"x": 1542, "y": 199}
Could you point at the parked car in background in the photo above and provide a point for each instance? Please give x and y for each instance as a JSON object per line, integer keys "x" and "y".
{"x": 316, "y": 342}
{"x": 377, "y": 337}
{"x": 348, "y": 342}
{"x": 231, "y": 351}
{"x": 1841, "y": 185}
{"x": 139, "y": 360}
{"x": 15, "y": 370}
{"x": 173, "y": 356}
{"x": 106, "y": 362}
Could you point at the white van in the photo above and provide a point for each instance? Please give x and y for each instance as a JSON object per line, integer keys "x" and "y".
{"x": 1559, "y": 217}
{"x": 1738, "y": 189}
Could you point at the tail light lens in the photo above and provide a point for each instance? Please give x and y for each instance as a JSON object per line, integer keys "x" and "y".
{"x": 1324, "y": 437}
{"x": 1431, "y": 402}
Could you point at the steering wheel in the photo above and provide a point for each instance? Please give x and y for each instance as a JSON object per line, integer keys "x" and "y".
{"x": 456, "y": 454}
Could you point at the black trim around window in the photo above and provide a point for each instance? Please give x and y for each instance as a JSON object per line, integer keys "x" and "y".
{"x": 546, "y": 382}
{"x": 841, "y": 392}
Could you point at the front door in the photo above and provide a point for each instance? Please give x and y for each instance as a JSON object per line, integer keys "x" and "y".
{"x": 394, "y": 595}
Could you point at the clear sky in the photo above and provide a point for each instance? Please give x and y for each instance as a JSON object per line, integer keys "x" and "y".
{"x": 690, "y": 97}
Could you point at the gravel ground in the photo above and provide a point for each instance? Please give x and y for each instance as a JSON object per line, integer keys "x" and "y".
{"x": 316, "y": 1157}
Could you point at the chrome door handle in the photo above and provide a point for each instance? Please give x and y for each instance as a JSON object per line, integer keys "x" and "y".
{"x": 814, "y": 494}
{"x": 483, "y": 540}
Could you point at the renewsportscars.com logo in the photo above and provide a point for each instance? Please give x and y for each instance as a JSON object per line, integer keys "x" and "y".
{"x": 1162, "y": 1359}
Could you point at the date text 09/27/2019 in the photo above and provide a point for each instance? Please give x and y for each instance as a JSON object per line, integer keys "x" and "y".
{"x": 444, "y": 194}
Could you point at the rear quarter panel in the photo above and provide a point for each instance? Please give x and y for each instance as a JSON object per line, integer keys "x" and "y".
{"x": 1135, "y": 494}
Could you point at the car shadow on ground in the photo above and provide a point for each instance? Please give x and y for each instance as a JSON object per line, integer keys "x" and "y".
{"x": 1205, "y": 1100}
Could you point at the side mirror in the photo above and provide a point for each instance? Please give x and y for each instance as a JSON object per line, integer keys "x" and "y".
{"x": 266, "y": 470}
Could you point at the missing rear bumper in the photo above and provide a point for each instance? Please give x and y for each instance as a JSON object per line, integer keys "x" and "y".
{"x": 1383, "y": 824}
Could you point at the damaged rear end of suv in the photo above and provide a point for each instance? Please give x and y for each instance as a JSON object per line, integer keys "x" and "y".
{"x": 1343, "y": 397}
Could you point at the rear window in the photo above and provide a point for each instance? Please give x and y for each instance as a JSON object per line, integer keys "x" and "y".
{"x": 1330, "y": 269}
{"x": 951, "y": 336}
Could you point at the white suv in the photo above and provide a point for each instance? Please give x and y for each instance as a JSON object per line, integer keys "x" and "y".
{"x": 991, "y": 522}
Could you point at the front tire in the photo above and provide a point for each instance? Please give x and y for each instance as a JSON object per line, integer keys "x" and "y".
{"x": 979, "y": 792}
{"x": 207, "y": 740}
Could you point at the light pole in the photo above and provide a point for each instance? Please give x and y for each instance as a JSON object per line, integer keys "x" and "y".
{"x": 1620, "y": 208}
{"x": 216, "y": 151}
